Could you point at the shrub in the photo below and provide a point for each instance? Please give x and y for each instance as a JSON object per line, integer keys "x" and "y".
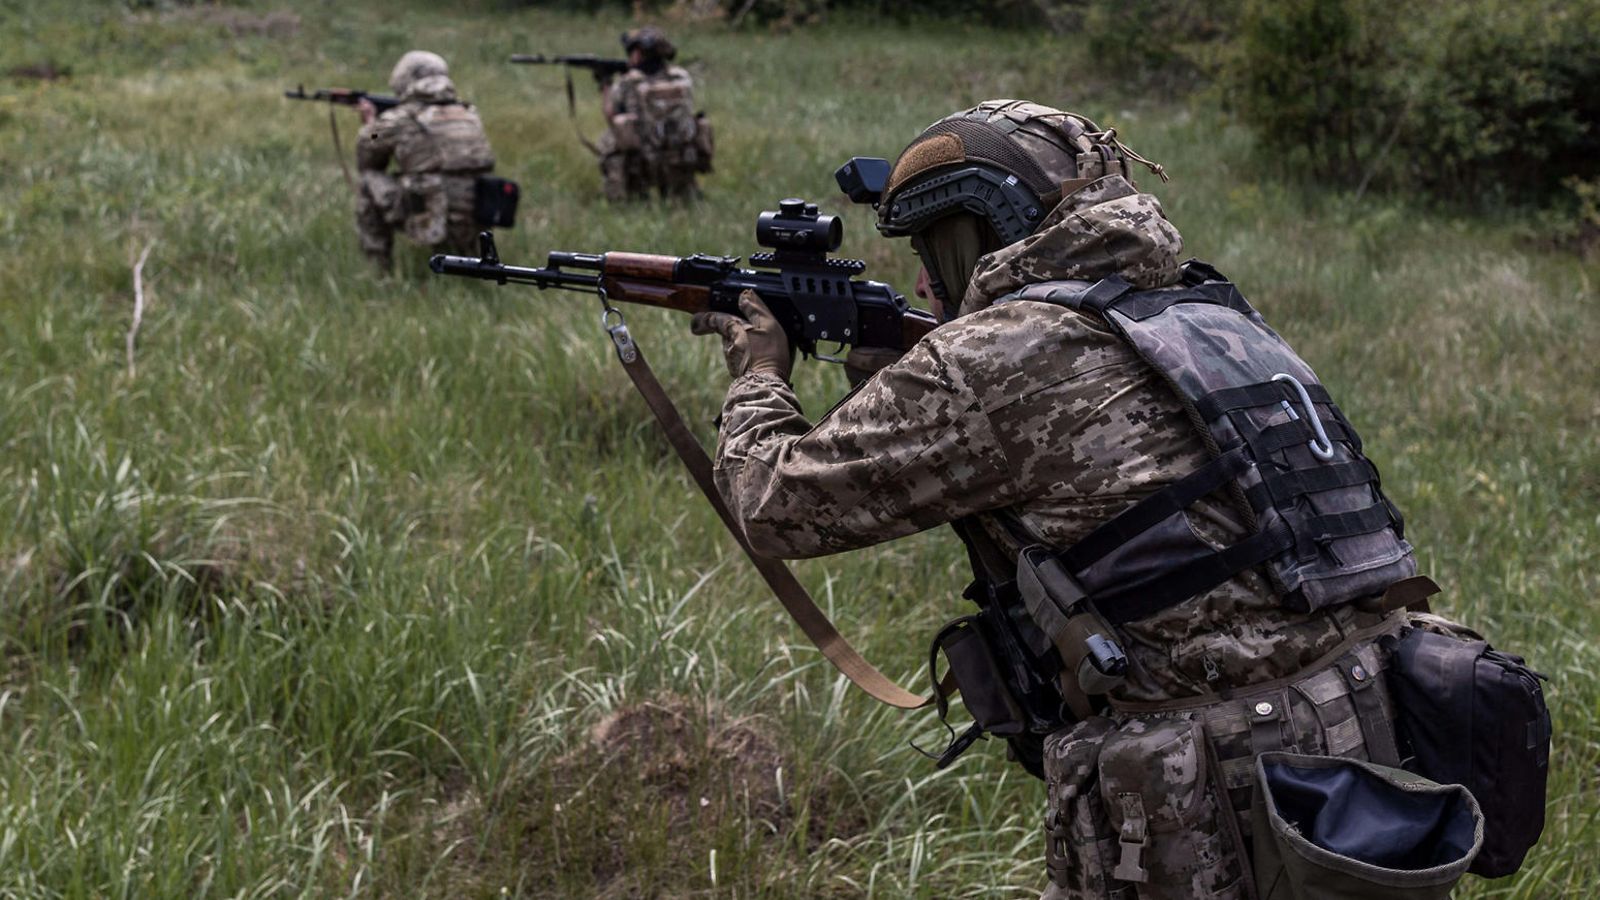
{"x": 1471, "y": 99}
{"x": 1315, "y": 78}
{"x": 1164, "y": 42}
{"x": 1504, "y": 99}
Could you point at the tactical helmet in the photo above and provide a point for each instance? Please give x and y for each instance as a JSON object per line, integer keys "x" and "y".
{"x": 1007, "y": 161}
{"x": 1002, "y": 165}
{"x": 412, "y": 67}
{"x": 650, "y": 41}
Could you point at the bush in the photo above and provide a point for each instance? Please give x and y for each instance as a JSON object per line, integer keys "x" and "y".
{"x": 1471, "y": 99}
{"x": 1315, "y": 80}
{"x": 1505, "y": 98}
{"x": 1163, "y": 42}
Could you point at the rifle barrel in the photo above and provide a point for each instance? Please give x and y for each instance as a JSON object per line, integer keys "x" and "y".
{"x": 476, "y": 267}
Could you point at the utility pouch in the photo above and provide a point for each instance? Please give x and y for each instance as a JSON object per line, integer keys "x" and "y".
{"x": 1329, "y": 828}
{"x": 426, "y": 208}
{"x": 1092, "y": 661}
{"x": 705, "y": 143}
{"x": 983, "y": 691}
{"x": 625, "y": 129}
{"x": 1474, "y": 716}
{"x": 981, "y": 684}
{"x": 1080, "y": 845}
{"x": 494, "y": 202}
{"x": 1173, "y": 839}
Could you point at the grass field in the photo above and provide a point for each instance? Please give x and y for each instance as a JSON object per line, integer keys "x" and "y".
{"x": 389, "y": 587}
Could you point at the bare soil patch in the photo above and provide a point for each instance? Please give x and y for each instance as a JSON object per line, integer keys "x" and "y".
{"x": 39, "y": 71}
{"x": 670, "y": 748}
{"x": 277, "y": 23}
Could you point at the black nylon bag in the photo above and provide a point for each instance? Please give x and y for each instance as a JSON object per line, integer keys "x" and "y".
{"x": 1476, "y": 717}
{"x": 494, "y": 202}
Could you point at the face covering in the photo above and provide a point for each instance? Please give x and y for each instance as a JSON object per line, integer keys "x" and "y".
{"x": 950, "y": 249}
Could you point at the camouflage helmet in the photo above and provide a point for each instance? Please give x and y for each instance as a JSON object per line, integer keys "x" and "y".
{"x": 414, "y": 66}
{"x": 649, "y": 40}
{"x": 1007, "y": 161}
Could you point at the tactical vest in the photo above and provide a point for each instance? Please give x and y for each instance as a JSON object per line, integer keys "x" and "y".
{"x": 668, "y": 125}
{"x": 1321, "y": 527}
{"x": 449, "y": 140}
{"x": 1319, "y": 524}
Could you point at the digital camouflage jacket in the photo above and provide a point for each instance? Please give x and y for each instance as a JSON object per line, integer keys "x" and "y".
{"x": 431, "y": 131}
{"x": 439, "y": 149}
{"x": 1027, "y": 406}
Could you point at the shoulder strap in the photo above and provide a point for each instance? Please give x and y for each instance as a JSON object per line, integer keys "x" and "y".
{"x": 790, "y": 592}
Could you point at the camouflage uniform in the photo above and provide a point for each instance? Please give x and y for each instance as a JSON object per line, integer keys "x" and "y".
{"x": 654, "y": 139}
{"x": 1044, "y": 411}
{"x": 439, "y": 149}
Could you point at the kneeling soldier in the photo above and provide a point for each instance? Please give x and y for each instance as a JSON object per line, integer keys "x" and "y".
{"x": 1182, "y": 557}
{"x": 655, "y": 139}
{"x": 439, "y": 150}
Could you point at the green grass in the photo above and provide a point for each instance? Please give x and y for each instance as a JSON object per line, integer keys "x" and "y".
{"x": 327, "y": 596}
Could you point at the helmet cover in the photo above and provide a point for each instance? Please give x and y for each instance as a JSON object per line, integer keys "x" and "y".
{"x": 1007, "y": 161}
{"x": 649, "y": 40}
{"x": 414, "y": 66}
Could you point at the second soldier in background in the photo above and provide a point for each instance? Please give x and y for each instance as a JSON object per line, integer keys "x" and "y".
{"x": 655, "y": 140}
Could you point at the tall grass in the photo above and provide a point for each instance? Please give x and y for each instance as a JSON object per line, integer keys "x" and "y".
{"x": 327, "y": 597}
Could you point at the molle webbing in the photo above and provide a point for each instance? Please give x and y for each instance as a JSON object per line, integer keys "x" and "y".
{"x": 1281, "y": 448}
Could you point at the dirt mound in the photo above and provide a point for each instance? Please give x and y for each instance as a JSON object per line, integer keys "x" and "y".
{"x": 658, "y": 795}
{"x": 43, "y": 71}
{"x": 691, "y": 758}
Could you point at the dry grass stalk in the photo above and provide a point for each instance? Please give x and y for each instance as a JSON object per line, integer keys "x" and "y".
{"x": 138, "y": 303}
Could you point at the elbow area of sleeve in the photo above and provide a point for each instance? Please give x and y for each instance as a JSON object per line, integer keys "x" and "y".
{"x": 774, "y": 524}
{"x": 775, "y": 543}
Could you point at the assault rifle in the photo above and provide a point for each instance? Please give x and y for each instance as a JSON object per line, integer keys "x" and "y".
{"x": 815, "y": 297}
{"x": 343, "y": 97}
{"x": 602, "y": 68}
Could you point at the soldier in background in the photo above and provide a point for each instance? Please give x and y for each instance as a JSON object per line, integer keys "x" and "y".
{"x": 439, "y": 150}
{"x": 655, "y": 139}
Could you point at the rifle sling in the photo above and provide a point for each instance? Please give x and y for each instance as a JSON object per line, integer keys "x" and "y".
{"x": 790, "y": 592}
{"x": 338, "y": 148}
{"x": 572, "y": 113}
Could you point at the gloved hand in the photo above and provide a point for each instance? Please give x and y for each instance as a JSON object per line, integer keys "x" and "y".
{"x": 862, "y": 363}
{"x": 755, "y": 343}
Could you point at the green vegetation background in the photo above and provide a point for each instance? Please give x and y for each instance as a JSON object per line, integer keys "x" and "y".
{"x": 327, "y": 595}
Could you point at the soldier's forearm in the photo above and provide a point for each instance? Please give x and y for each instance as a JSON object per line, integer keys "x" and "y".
{"x": 759, "y": 408}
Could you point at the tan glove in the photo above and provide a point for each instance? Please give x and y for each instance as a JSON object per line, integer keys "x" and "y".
{"x": 755, "y": 343}
{"x": 862, "y": 363}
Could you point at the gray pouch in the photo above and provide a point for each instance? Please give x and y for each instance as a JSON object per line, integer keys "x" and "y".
{"x": 1328, "y": 828}
{"x": 1171, "y": 820}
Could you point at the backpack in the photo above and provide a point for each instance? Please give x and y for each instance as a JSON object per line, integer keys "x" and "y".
{"x": 668, "y": 126}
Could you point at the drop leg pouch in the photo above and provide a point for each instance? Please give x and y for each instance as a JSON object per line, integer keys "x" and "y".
{"x": 1329, "y": 828}
{"x": 1162, "y": 798}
